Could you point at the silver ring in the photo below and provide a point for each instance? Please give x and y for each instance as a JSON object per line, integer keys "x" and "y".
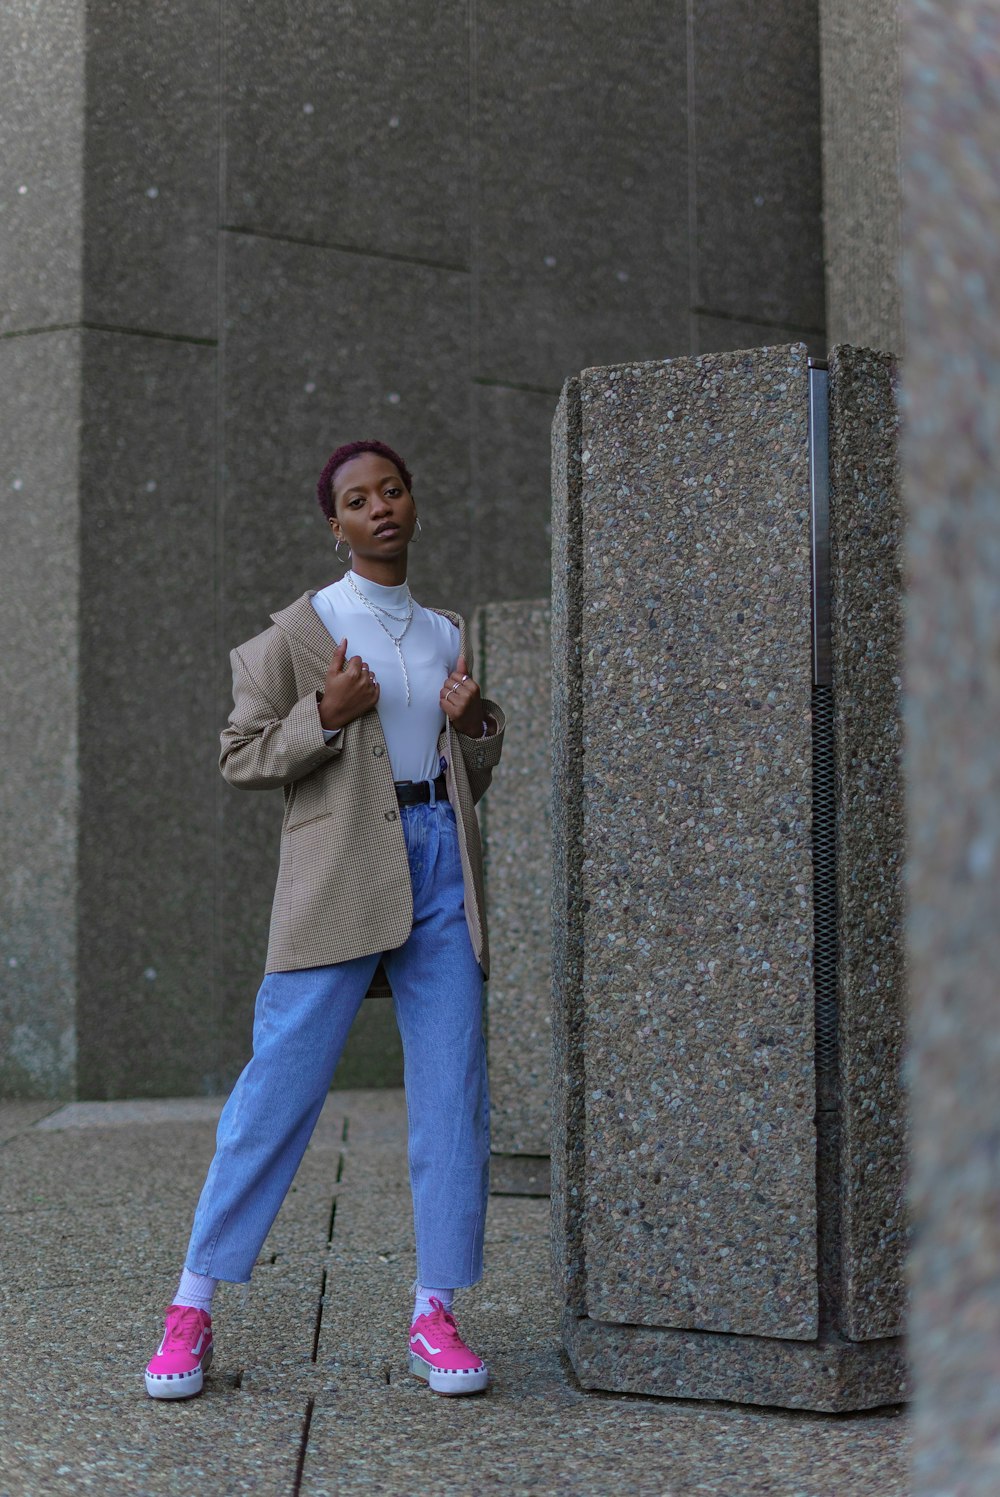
{"x": 453, "y": 687}
{"x": 464, "y": 678}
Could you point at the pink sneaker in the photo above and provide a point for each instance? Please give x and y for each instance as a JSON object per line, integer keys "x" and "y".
{"x": 439, "y": 1356}
{"x": 184, "y": 1354}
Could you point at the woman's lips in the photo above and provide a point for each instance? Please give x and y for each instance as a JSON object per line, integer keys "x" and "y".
{"x": 384, "y": 530}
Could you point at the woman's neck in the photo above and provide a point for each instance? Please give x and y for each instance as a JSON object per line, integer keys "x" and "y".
{"x": 388, "y": 573}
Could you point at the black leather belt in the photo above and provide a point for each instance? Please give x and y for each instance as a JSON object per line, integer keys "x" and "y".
{"x": 418, "y": 792}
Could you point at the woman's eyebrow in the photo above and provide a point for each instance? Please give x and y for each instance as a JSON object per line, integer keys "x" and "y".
{"x": 359, "y": 488}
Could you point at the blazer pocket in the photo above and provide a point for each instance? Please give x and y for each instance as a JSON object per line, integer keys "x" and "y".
{"x": 307, "y": 801}
{"x": 294, "y": 826}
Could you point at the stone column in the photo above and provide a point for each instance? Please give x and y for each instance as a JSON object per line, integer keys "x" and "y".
{"x": 726, "y": 1188}
{"x": 951, "y": 461}
{"x": 514, "y": 662}
{"x": 108, "y": 595}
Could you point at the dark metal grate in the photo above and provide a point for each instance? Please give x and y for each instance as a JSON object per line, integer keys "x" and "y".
{"x": 824, "y": 894}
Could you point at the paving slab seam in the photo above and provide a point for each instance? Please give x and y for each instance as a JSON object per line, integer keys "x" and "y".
{"x": 22, "y": 1129}
{"x": 300, "y": 1464}
{"x": 318, "y": 1327}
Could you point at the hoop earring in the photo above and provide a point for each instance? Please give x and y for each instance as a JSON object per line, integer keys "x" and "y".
{"x": 350, "y": 553}
{"x": 419, "y": 529}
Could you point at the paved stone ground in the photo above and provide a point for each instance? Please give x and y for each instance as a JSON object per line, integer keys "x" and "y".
{"x": 309, "y": 1392}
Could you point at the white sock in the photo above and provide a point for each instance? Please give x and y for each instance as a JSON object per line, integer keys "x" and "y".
{"x": 196, "y": 1289}
{"x": 423, "y": 1295}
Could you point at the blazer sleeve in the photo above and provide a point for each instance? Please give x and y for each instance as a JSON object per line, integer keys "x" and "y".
{"x": 482, "y": 755}
{"x": 262, "y": 747}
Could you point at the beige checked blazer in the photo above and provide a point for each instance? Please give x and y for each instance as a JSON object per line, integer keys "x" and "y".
{"x": 343, "y": 885}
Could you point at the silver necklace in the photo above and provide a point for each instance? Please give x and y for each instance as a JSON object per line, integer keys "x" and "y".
{"x": 388, "y": 613}
{"x": 375, "y": 610}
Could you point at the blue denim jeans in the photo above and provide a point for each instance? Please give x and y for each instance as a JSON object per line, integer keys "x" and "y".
{"x": 300, "y": 1025}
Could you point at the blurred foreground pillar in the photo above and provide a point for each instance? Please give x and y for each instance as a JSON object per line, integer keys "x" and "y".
{"x": 727, "y": 1154}
{"x": 951, "y": 146}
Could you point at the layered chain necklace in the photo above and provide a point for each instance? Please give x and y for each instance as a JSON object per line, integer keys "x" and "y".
{"x": 374, "y": 609}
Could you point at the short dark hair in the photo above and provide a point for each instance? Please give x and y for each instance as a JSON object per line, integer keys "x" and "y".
{"x": 324, "y": 489}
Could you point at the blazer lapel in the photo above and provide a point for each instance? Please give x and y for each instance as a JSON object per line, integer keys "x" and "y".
{"x": 302, "y": 622}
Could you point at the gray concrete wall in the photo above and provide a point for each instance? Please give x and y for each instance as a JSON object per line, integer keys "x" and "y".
{"x": 259, "y": 259}
{"x": 41, "y": 237}
{"x": 147, "y": 716}
{"x": 951, "y": 459}
{"x": 515, "y": 665}
{"x": 42, "y": 54}
{"x": 861, "y": 179}
{"x": 147, "y": 563}
{"x": 756, "y": 199}
{"x": 39, "y": 673}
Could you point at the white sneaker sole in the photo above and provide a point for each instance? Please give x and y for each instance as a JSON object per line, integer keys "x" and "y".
{"x": 178, "y": 1384}
{"x": 471, "y": 1380}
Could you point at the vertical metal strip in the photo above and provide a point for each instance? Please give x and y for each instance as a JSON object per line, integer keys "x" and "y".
{"x": 824, "y": 899}
{"x": 819, "y": 492}
{"x": 824, "y": 830}
{"x": 824, "y": 847}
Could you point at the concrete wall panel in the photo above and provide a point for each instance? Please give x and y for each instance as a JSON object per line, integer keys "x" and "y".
{"x": 515, "y": 666}
{"x": 581, "y": 168}
{"x": 148, "y": 730}
{"x": 348, "y": 124}
{"x": 727, "y": 334}
{"x": 513, "y": 526}
{"x": 152, "y": 166}
{"x": 41, "y": 161}
{"x": 759, "y": 241}
{"x": 39, "y": 791}
{"x": 861, "y": 182}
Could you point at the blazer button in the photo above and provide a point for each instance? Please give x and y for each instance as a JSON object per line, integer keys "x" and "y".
{"x": 378, "y": 751}
{"x": 390, "y": 815}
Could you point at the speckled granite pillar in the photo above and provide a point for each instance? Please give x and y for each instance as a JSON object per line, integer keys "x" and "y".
{"x": 951, "y": 461}
{"x": 514, "y": 655}
{"x": 698, "y": 1250}
{"x": 867, "y": 625}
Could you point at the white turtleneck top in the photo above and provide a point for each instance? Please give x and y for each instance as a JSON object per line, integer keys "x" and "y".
{"x": 430, "y": 649}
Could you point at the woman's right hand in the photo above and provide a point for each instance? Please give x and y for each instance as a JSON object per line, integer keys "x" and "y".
{"x": 349, "y": 691}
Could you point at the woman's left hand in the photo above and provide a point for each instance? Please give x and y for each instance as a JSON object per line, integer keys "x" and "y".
{"x": 462, "y": 702}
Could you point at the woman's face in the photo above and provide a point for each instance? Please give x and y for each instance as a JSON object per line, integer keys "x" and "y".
{"x": 374, "y": 511}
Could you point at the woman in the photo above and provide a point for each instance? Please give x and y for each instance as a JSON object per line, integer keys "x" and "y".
{"x": 361, "y": 704}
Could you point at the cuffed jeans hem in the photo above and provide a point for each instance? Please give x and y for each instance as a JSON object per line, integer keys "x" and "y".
{"x": 449, "y": 1283}
{"x": 217, "y": 1271}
